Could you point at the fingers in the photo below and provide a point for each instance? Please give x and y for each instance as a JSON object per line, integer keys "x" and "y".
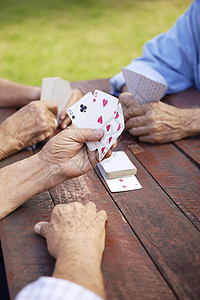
{"x": 42, "y": 228}
{"x": 139, "y": 131}
{"x": 102, "y": 216}
{"x": 136, "y": 122}
{"x": 43, "y": 136}
{"x": 114, "y": 145}
{"x": 66, "y": 122}
{"x": 125, "y": 99}
{"x": 76, "y": 95}
{"x": 108, "y": 154}
{"x": 52, "y": 106}
{"x": 83, "y": 135}
{"x": 91, "y": 206}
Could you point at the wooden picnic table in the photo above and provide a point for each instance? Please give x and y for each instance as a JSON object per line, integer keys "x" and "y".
{"x": 152, "y": 234}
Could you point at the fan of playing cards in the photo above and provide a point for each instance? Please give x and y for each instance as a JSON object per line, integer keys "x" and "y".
{"x": 99, "y": 111}
{"x": 143, "y": 88}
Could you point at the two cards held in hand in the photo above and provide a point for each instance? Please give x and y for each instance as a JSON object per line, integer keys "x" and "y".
{"x": 99, "y": 111}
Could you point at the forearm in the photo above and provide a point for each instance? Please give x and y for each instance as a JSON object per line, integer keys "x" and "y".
{"x": 82, "y": 265}
{"x": 191, "y": 122}
{"x": 17, "y": 95}
{"x": 23, "y": 180}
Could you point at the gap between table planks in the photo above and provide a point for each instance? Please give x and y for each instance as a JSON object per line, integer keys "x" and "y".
{"x": 186, "y": 173}
{"x": 168, "y": 236}
{"x": 24, "y": 253}
{"x": 128, "y": 271}
{"x": 102, "y": 87}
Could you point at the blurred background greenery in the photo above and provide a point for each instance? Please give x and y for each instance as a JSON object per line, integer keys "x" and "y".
{"x": 78, "y": 39}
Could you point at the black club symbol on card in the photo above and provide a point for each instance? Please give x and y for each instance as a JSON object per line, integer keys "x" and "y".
{"x": 83, "y": 108}
{"x": 73, "y": 117}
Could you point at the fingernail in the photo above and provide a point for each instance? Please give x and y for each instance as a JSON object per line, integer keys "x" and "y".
{"x": 64, "y": 126}
{"x": 98, "y": 133}
{"x": 37, "y": 228}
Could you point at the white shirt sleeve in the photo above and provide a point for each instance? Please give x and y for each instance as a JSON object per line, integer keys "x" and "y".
{"x": 51, "y": 288}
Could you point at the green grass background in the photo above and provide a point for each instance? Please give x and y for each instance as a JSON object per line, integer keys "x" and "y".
{"x": 78, "y": 39}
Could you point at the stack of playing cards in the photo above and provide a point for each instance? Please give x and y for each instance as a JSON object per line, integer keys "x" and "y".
{"x": 99, "y": 111}
{"x": 57, "y": 90}
{"x": 119, "y": 173}
{"x": 142, "y": 88}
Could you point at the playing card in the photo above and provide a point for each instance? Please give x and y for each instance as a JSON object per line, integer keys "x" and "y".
{"x": 48, "y": 85}
{"x": 123, "y": 184}
{"x": 81, "y": 112}
{"x": 106, "y": 105}
{"x": 117, "y": 165}
{"x": 57, "y": 90}
{"x": 112, "y": 130}
{"x": 102, "y": 105}
{"x": 61, "y": 94}
{"x": 142, "y": 88}
{"x": 99, "y": 111}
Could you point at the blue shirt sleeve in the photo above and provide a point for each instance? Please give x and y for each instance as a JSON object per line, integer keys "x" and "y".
{"x": 174, "y": 55}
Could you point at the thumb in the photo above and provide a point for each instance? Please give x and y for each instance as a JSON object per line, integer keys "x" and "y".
{"x": 42, "y": 228}
{"x": 89, "y": 135}
{"x": 52, "y": 106}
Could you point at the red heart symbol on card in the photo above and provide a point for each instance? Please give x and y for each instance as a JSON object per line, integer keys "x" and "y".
{"x": 117, "y": 115}
{"x": 105, "y": 102}
{"x": 100, "y": 120}
{"x": 99, "y": 140}
{"x": 121, "y": 180}
{"x": 102, "y": 150}
{"x": 124, "y": 186}
{"x": 119, "y": 127}
{"x": 110, "y": 139}
{"x": 108, "y": 127}
{"x": 94, "y": 100}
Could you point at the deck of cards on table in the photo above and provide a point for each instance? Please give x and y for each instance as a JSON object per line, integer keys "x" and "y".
{"x": 57, "y": 90}
{"x": 99, "y": 111}
{"x": 144, "y": 89}
{"x": 119, "y": 173}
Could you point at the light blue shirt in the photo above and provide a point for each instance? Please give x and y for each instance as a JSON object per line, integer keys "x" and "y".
{"x": 174, "y": 55}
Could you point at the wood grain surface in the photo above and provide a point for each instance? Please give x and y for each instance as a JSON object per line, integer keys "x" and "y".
{"x": 125, "y": 261}
{"x": 165, "y": 232}
{"x": 152, "y": 235}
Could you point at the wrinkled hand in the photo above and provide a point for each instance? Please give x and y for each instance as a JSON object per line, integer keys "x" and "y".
{"x": 154, "y": 122}
{"x": 72, "y": 227}
{"x": 76, "y": 95}
{"x": 68, "y": 152}
{"x": 31, "y": 124}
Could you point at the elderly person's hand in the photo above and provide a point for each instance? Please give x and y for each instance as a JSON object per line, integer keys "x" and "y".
{"x": 65, "y": 119}
{"x": 64, "y": 156}
{"x": 31, "y": 124}
{"x": 75, "y": 236}
{"x": 68, "y": 151}
{"x": 158, "y": 122}
{"x": 74, "y": 224}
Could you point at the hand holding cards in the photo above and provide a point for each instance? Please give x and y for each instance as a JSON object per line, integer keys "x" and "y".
{"x": 99, "y": 111}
